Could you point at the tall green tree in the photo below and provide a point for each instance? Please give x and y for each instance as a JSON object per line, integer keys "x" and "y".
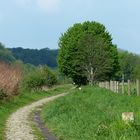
{"x": 87, "y": 53}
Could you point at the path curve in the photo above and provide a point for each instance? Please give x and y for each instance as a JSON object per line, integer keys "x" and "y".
{"x": 18, "y": 125}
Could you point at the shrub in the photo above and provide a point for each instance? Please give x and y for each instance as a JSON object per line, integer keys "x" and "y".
{"x": 38, "y": 78}
{"x": 50, "y": 78}
{"x": 10, "y": 77}
{"x": 34, "y": 80}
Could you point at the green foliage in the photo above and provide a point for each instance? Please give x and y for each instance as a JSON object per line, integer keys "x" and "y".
{"x": 6, "y": 55}
{"x": 39, "y": 77}
{"x": 50, "y": 78}
{"x": 61, "y": 79}
{"x": 137, "y": 71}
{"x": 92, "y": 114}
{"x": 98, "y": 58}
{"x": 36, "y": 57}
{"x": 129, "y": 64}
{"x": 92, "y": 38}
{"x": 34, "y": 80}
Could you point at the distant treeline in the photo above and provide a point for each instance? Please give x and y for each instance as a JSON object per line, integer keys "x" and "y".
{"x": 129, "y": 65}
{"x": 36, "y": 57}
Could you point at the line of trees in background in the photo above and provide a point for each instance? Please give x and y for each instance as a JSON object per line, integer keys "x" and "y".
{"x": 36, "y": 57}
{"x": 129, "y": 65}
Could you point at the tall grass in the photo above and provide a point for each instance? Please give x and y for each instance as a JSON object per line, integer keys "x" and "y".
{"x": 10, "y": 77}
{"x": 93, "y": 114}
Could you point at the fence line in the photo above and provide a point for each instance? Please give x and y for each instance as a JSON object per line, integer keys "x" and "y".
{"x": 122, "y": 87}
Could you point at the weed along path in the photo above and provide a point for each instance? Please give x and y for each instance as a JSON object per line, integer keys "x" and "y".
{"x": 18, "y": 124}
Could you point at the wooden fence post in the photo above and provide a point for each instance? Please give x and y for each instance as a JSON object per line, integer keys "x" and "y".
{"x": 114, "y": 86}
{"x": 108, "y": 85}
{"x": 111, "y": 85}
{"x": 103, "y": 84}
{"x": 129, "y": 87}
{"x": 123, "y": 84}
{"x": 138, "y": 87}
{"x": 117, "y": 87}
{"x": 99, "y": 84}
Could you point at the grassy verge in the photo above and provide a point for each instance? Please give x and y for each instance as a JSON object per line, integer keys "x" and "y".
{"x": 92, "y": 113}
{"x": 7, "y": 107}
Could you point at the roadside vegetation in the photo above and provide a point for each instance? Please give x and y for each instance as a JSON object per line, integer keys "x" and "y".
{"x": 10, "y": 77}
{"x": 92, "y": 113}
{"x": 12, "y": 104}
{"x": 22, "y": 84}
{"x": 41, "y": 76}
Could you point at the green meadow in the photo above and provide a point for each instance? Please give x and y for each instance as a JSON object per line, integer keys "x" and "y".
{"x": 92, "y": 114}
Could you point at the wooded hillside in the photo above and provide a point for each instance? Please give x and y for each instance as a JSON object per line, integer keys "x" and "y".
{"x": 36, "y": 57}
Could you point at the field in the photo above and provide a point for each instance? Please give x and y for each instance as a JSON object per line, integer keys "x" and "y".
{"x": 7, "y": 107}
{"x": 92, "y": 114}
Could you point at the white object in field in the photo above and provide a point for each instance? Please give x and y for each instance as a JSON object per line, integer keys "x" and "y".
{"x": 80, "y": 88}
{"x": 128, "y": 117}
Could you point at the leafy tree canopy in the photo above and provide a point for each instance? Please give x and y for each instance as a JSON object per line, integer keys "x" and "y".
{"x": 86, "y": 52}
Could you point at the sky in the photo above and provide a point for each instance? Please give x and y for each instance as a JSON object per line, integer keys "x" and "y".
{"x": 40, "y": 23}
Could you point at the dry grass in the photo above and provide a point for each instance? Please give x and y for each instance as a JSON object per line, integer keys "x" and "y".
{"x": 10, "y": 77}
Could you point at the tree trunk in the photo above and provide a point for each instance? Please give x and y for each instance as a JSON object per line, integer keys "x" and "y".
{"x": 91, "y": 77}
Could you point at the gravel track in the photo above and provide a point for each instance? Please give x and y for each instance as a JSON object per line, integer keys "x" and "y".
{"x": 18, "y": 125}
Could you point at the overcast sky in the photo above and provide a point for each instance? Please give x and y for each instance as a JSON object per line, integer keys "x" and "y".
{"x": 39, "y": 23}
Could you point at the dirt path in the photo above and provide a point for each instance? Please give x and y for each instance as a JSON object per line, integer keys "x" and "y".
{"x": 18, "y": 127}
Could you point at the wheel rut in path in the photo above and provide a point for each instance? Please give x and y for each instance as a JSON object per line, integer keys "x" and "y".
{"x": 46, "y": 133}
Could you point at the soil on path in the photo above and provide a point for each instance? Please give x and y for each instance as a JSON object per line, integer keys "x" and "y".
{"x": 18, "y": 125}
{"x": 44, "y": 130}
